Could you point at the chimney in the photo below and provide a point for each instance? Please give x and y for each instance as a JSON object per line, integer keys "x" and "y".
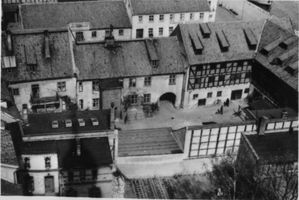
{"x": 262, "y": 125}
{"x": 47, "y": 45}
{"x": 109, "y": 40}
{"x": 9, "y": 42}
{"x": 112, "y": 116}
{"x": 78, "y": 147}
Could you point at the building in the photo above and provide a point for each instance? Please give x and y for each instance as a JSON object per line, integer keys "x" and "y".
{"x": 59, "y": 152}
{"x": 152, "y": 18}
{"x": 136, "y": 72}
{"x": 38, "y": 67}
{"x": 220, "y": 58}
{"x": 88, "y": 21}
{"x": 275, "y": 74}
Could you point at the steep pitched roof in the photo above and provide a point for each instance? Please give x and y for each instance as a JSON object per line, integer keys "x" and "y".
{"x": 238, "y": 48}
{"x": 275, "y": 56}
{"x": 100, "y": 14}
{"x": 275, "y": 147}
{"x": 128, "y": 58}
{"x": 29, "y": 49}
{"x": 146, "y": 7}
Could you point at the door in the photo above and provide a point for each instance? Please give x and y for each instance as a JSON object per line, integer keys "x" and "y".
{"x": 35, "y": 91}
{"x": 236, "y": 94}
{"x": 139, "y": 33}
{"x": 49, "y": 184}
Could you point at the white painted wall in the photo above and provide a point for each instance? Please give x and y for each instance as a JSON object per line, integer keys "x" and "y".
{"x": 202, "y": 94}
{"x": 47, "y": 88}
{"x": 87, "y": 95}
{"x": 166, "y": 23}
{"x": 101, "y": 35}
{"x": 37, "y": 162}
{"x": 159, "y": 86}
{"x": 39, "y": 181}
{"x": 8, "y": 172}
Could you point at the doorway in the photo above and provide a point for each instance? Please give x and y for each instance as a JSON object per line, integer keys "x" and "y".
{"x": 49, "y": 184}
{"x": 168, "y": 97}
{"x": 139, "y": 33}
{"x": 236, "y": 94}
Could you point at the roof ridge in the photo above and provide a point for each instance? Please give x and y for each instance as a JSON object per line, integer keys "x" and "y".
{"x": 71, "y": 2}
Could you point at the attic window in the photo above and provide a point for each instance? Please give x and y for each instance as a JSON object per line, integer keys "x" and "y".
{"x": 270, "y": 46}
{"x": 196, "y": 43}
{"x": 205, "y": 30}
{"x": 55, "y": 124}
{"x": 81, "y": 122}
{"x": 286, "y": 43}
{"x": 152, "y": 52}
{"x": 222, "y": 40}
{"x": 68, "y": 123}
{"x": 250, "y": 38}
{"x": 94, "y": 121}
{"x": 292, "y": 68}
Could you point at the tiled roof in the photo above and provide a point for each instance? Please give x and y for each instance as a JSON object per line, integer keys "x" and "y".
{"x": 129, "y": 58}
{"x": 275, "y": 147}
{"x": 100, "y": 14}
{"x": 41, "y": 124}
{"x": 238, "y": 48}
{"x": 286, "y": 8}
{"x": 273, "y": 35}
{"x": 146, "y": 7}
{"x": 94, "y": 152}
{"x": 30, "y": 49}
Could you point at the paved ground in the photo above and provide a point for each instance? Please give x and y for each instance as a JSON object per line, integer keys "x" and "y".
{"x": 224, "y": 15}
{"x": 147, "y": 142}
{"x": 168, "y": 116}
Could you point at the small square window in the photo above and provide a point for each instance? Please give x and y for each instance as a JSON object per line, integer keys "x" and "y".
{"x": 95, "y": 86}
{"x": 151, "y": 18}
{"x": 140, "y": 18}
{"x": 79, "y": 36}
{"x": 94, "y": 34}
{"x": 48, "y": 162}
{"x": 195, "y": 96}
{"x": 172, "y": 78}
{"x": 147, "y": 81}
{"x": 133, "y": 99}
{"x": 201, "y": 15}
{"x": 150, "y": 33}
{"x": 210, "y": 94}
{"x": 121, "y": 32}
{"x": 107, "y": 33}
{"x": 182, "y": 16}
{"x": 171, "y": 17}
{"x": 246, "y": 90}
{"x": 191, "y": 16}
{"x": 132, "y": 82}
{"x": 15, "y": 91}
{"x": 80, "y": 86}
{"x": 95, "y": 103}
{"x": 161, "y": 31}
{"x": 161, "y": 17}
{"x": 219, "y": 93}
{"x": 61, "y": 86}
{"x": 211, "y": 15}
{"x": 147, "y": 98}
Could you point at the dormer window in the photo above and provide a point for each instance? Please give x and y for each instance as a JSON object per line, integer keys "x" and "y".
{"x": 48, "y": 162}
{"x": 27, "y": 163}
{"x": 79, "y": 36}
{"x": 8, "y": 62}
{"x": 155, "y": 63}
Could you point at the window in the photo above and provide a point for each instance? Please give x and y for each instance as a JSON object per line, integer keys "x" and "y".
{"x": 171, "y": 17}
{"x": 195, "y": 96}
{"x": 160, "y": 31}
{"x": 219, "y": 93}
{"x": 15, "y": 91}
{"x": 161, "y": 17}
{"x": 121, "y": 32}
{"x": 221, "y": 78}
{"x": 201, "y": 102}
{"x": 191, "y": 16}
{"x": 132, "y": 82}
{"x": 61, "y": 86}
{"x": 147, "y": 98}
{"x": 95, "y": 86}
{"x": 147, "y": 81}
{"x": 107, "y": 33}
{"x": 80, "y": 86}
{"x": 211, "y": 79}
{"x": 209, "y": 95}
{"x": 170, "y": 30}
{"x": 201, "y": 15}
{"x": 32, "y": 67}
{"x": 25, "y": 106}
{"x": 154, "y": 63}
{"x": 79, "y": 36}
{"x": 246, "y": 90}
{"x": 133, "y": 99}
{"x": 172, "y": 79}
{"x": 95, "y": 103}
{"x": 8, "y": 61}
{"x": 182, "y": 16}
{"x": 26, "y": 163}
{"x": 48, "y": 162}
{"x": 94, "y": 34}
{"x": 151, "y": 18}
{"x": 81, "y": 104}
{"x": 211, "y": 15}
{"x": 139, "y": 33}
{"x": 150, "y": 32}
{"x": 140, "y": 18}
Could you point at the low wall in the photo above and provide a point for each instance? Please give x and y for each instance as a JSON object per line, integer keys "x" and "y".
{"x": 8, "y": 173}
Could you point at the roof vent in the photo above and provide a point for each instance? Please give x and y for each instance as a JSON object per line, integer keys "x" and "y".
{"x": 68, "y": 123}
{"x": 152, "y": 52}
{"x": 222, "y": 40}
{"x": 205, "y": 30}
{"x": 292, "y": 68}
{"x": 94, "y": 121}
{"x": 196, "y": 43}
{"x": 250, "y": 38}
{"x": 47, "y": 45}
{"x": 81, "y": 122}
{"x": 286, "y": 43}
{"x": 55, "y": 124}
{"x": 266, "y": 50}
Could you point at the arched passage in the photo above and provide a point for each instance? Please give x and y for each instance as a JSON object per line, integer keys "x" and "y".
{"x": 169, "y": 96}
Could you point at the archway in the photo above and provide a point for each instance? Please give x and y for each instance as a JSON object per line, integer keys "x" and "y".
{"x": 169, "y": 96}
